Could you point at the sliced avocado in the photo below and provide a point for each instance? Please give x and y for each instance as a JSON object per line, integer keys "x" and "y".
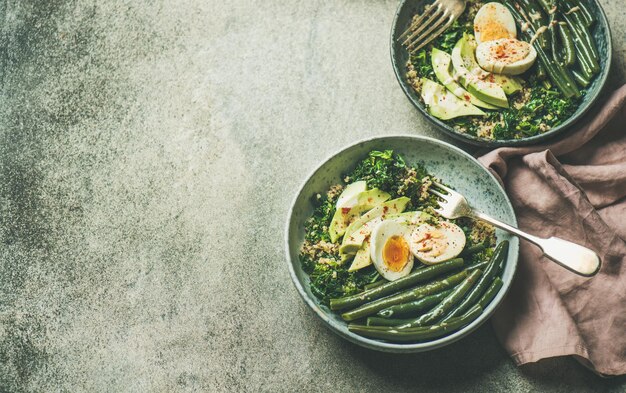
{"x": 444, "y": 105}
{"x": 362, "y": 258}
{"x": 441, "y": 65}
{"x": 468, "y": 70}
{"x": 351, "y": 191}
{"x": 412, "y": 218}
{"x": 352, "y": 208}
{"x": 360, "y": 229}
{"x": 509, "y": 84}
{"x": 344, "y": 257}
{"x": 352, "y": 243}
{"x": 393, "y": 206}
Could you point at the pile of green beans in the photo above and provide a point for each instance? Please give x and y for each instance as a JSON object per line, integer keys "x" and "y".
{"x": 429, "y": 303}
{"x": 420, "y": 275}
{"x": 572, "y": 61}
{"x": 420, "y": 333}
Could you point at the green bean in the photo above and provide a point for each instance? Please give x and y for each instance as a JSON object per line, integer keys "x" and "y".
{"x": 498, "y": 257}
{"x": 538, "y": 19}
{"x": 419, "y": 276}
{"x": 586, "y": 68}
{"x": 568, "y": 44}
{"x": 576, "y": 23}
{"x": 417, "y": 334}
{"x": 378, "y": 321}
{"x": 547, "y": 5}
{"x": 374, "y": 284}
{"x": 479, "y": 265}
{"x": 552, "y": 27}
{"x": 580, "y": 79}
{"x": 501, "y": 268}
{"x": 557, "y": 74}
{"x": 585, "y": 12}
{"x": 583, "y": 52}
{"x": 560, "y": 75}
{"x": 473, "y": 249}
{"x": 546, "y": 84}
{"x": 403, "y": 297}
{"x": 555, "y": 71}
{"x": 569, "y": 8}
{"x": 491, "y": 292}
{"x": 404, "y": 309}
{"x": 446, "y": 304}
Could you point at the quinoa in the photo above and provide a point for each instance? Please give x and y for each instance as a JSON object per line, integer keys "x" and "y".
{"x": 334, "y": 192}
{"x": 426, "y": 183}
{"x": 482, "y": 232}
{"x": 320, "y": 250}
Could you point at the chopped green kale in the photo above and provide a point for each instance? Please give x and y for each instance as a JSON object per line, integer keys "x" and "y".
{"x": 316, "y": 227}
{"x": 330, "y": 280}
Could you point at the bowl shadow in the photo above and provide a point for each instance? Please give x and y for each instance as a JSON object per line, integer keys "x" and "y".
{"x": 460, "y": 362}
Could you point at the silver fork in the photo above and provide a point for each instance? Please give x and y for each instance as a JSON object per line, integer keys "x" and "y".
{"x": 439, "y": 15}
{"x": 572, "y": 256}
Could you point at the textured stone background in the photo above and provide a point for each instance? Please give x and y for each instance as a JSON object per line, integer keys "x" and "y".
{"x": 149, "y": 151}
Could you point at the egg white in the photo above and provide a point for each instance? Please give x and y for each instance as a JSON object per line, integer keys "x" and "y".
{"x": 381, "y": 234}
{"x": 494, "y": 21}
{"x": 499, "y": 56}
{"x": 435, "y": 244}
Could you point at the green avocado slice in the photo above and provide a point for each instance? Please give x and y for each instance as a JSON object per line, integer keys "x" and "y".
{"x": 468, "y": 71}
{"x": 441, "y": 65}
{"x": 351, "y": 209}
{"x": 350, "y": 192}
{"x": 362, "y": 258}
{"x": 443, "y": 104}
{"x": 509, "y": 84}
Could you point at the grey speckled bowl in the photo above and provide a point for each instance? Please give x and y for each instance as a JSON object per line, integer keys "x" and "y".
{"x": 441, "y": 159}
{"x": 399, "y": 58}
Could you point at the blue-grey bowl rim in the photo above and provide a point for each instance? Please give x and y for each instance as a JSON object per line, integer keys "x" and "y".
{"x": 385, "y": 346}
{"x": 476, "y": 141}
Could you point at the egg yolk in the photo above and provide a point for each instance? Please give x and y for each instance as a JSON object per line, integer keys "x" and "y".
{"x": 396, "y": 253}
{"x": 492, "y": 30}
{"x": 489, "y": 25}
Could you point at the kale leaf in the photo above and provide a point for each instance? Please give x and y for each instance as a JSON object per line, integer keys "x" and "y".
{"x": 316, "y": 227}
{"x": 330, "y": 281}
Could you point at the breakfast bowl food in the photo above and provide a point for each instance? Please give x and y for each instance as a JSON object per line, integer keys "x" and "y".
{"x": 370, "y": 255}
{"x": 511, "y": 72}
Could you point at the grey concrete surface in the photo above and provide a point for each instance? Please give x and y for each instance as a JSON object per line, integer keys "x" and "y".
{"x": 149, "y": 151}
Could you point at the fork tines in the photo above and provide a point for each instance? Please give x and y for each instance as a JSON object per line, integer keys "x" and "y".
{"x": 445, "y": 188}
{"x": 422, "y": 29}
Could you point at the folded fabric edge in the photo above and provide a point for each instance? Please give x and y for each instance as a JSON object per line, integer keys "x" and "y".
{"x": 524, "y": 357}
{"x": 578, "y": 352}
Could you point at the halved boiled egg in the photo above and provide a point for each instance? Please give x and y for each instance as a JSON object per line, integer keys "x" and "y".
{"x": 434, "y": 244}
{"x": 390, "y": 249}
{"x": 498, "y": 50}
{"x": 494, "y": 21}
{"x": 506, "y": 56}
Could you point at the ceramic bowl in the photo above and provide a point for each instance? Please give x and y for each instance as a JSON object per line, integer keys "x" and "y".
{"x": 450, "y": 163}
{"x": 399, "y": 58}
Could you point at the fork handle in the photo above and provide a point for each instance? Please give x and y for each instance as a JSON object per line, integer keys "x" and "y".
{"x": 572, "y": 256}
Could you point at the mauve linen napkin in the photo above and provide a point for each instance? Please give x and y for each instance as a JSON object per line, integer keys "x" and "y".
{"x": 574, "y": 188}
